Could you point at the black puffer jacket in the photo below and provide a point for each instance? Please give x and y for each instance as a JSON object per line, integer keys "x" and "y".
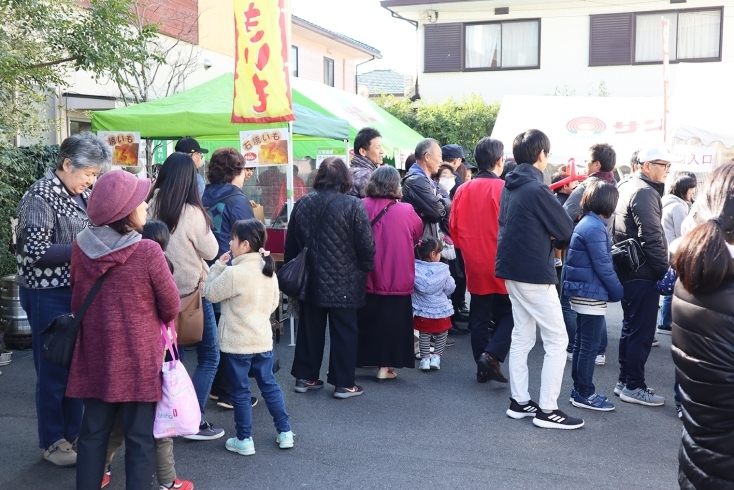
{"x": 703, "y": 352}
{"x": 421, "y": 193}
{"x": 638, "y": 215}
{"x": 341, "y": 253}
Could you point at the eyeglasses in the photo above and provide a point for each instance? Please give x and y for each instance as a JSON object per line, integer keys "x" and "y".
{"x": 666, "y": 165}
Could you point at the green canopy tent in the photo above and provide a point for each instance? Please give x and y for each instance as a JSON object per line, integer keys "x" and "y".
{"x": 398, "y": 140}
{"x": 205, "y": 111}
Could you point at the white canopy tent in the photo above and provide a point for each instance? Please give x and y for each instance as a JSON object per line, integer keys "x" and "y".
{"x": 573, "y": 124}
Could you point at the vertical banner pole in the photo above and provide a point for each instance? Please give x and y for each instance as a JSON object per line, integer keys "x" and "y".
{"x": 666, "y": 80}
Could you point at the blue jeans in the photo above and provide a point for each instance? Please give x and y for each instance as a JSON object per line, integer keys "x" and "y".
{"x": 59, "y": 417}
{"x": 586, "y": 346}
{"x": 261, "y": 367}
{"x": 666, "y": 314}
{"x": 569, "y": 316}
{"x": 207, "y": 354}
{"x": 640, "y": 306}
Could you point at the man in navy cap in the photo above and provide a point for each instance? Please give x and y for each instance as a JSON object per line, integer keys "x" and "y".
{"x": 454, "y": 156}
{"x": 191, "y": 146}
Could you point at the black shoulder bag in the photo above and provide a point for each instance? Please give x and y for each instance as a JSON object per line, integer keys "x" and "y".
{"x": 292, "y": 277}
{"x": 627, "y": 256}
{"x": 63, "y": 330}
{"x": 381, "y": 214}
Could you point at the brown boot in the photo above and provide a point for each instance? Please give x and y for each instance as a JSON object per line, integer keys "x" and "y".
{"x": 488, "y": 363}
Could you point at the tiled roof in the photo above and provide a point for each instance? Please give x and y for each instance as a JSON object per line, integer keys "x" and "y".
{"x": 338, "y": 37}
{"x": 383, "y": 82}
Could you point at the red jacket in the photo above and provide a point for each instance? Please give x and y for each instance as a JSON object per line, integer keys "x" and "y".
{"x": 474, "y": 225}
{"x": 118, "y": 354}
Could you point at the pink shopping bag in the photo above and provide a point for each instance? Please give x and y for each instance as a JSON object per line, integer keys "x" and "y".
{"x": 178, "y": 413}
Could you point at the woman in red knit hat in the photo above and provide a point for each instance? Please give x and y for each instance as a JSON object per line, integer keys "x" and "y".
{"x": 116, "y": 367}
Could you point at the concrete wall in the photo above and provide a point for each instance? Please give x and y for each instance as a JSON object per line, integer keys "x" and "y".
{"x": 564, "y": 55}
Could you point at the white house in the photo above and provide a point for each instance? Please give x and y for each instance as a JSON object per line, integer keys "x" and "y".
{"x": 571, "y": 47}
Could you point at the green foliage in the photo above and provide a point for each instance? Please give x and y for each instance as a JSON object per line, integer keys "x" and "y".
{"x": 600, "y": 90}
{"x": 19, "y": 168}
{"x": 463, "y": 123}
{"x": 42, "y": 42}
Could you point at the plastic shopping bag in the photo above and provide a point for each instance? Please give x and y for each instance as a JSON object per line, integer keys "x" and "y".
{"x": 178, "y": 413}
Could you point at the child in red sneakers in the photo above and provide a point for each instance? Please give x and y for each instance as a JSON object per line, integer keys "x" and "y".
{"x": 432, "y": 308}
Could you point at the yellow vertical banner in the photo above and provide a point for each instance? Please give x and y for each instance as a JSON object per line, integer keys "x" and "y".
{"x": 262, "y": 92}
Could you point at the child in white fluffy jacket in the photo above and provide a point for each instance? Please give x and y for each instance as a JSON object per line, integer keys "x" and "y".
{"x": 248, "y": 293}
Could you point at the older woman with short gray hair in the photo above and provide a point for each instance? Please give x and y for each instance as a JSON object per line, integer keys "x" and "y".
{"x": 50, "y": 215}
{"x": 386, "y": 321}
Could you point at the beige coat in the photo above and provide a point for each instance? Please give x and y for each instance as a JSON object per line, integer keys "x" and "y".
{"x": 248, "y": 297}
{"x": 191, "y": 244}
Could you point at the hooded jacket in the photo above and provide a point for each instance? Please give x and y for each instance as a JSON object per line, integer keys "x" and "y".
{"x": 433, "y": 285}
{"x": 118, "y": 354}
{"x": 703, "y": 353}
{"x": 420, "y": 192}
{"x": 530, "y": 218}
{"x": 573, "y": 203}
{"x": 361, "y": 169}
{"x": 589, "y": 269}
{"x": 342, "y": 251}
{"x": 639, "y": 216}
{"x": 675, "y": 211}
{"x": 225, "y": 204}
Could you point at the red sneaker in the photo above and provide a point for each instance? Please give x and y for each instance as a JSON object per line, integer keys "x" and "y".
{"x": 180, "y": 485}
{"x": 106, "y": 479}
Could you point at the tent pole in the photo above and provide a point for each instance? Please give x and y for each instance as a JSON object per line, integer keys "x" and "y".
{"x": 289, "y": 194}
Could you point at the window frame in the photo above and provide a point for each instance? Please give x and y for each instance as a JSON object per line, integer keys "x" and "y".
{"x": 511, "y": 68}
{"x": 677, "y": 60}
{"x": 328, "y": 61}
{"x": 294, "y": 61}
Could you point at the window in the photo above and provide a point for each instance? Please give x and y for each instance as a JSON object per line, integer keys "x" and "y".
{"x": 329, "y": 72}
{"x": 78, "y": 126}
{"x": 294, "y": 61}
{"x": 502, "y": 45}
{"x": 623, "y": 39}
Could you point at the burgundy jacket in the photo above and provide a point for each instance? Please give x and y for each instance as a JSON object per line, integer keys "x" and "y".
{"x": 395, "y": 235}
{"x": 118, "y": 355}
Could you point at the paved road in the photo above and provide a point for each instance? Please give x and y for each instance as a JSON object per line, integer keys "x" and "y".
{"x": 423, "y": 430}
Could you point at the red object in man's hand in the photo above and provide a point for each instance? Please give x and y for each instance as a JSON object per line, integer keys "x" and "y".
{"x": 572, "y": 176}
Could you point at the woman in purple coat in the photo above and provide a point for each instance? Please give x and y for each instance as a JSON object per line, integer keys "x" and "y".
{"x": 386, "y": 321}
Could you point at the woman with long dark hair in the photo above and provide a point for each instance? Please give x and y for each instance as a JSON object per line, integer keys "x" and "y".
{"x": 340, "y": 255}
{"x": 703, "y": 338}
{"x": 175, "y": 200}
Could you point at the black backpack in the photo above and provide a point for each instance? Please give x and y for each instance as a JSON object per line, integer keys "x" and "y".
{"x": 62, "y": 331}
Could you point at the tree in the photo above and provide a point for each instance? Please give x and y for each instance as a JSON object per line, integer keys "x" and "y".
{"x": 42, "y": 41}
{"x": 463, "y": 123}
{"x": 166, "y": 61}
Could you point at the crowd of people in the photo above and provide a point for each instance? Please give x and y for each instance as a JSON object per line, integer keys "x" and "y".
{"x": 389, "y": 260}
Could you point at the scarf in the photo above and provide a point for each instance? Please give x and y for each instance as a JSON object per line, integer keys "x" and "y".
{"x": 607, "y": 177}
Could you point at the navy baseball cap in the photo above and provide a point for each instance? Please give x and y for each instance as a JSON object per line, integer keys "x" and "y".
{"x": 189, "y": 145}
{"x": 449, "y": 152}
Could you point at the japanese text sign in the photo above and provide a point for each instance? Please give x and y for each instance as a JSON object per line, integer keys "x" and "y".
{"x": 694, "y": 158}
{"x": 322, "y": 153}
{"x": 265, "y": 147}
{"x": 125, "y": 147}
{"x": 262, "y": 91}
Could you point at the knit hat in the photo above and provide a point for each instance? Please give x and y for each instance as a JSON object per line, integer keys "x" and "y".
{"x": 115, "y": 195}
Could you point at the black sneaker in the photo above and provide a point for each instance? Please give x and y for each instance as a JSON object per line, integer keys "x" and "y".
{"x": 206, "y": 433}
{"x": 253, "y": 401}
{"x": 463, "y": 309}
{"x": 355, "y": 390}
{"x": 665, "y": 329}
{"x": 450, "y": 342}
{"x": 303, "y": 385}
{"x": 517, "y": 411}
{"x": 556, "y": 420}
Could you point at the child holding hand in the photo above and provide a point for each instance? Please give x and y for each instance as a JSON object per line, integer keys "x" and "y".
{"x": 248, "y": 293}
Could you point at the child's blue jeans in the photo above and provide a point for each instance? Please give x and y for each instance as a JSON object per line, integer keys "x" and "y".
{"x": 238, "y": 367}
{"x": 586, "y": 346}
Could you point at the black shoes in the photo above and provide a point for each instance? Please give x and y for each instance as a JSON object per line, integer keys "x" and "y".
{"x": 489, "y": 364}
{"x": 556, "y": 420}
{"x": 517, "y": 411}
{"x": 456, "y": 330}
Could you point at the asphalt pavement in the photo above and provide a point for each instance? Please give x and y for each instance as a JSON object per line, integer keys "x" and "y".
{"x": 435, "y": 430}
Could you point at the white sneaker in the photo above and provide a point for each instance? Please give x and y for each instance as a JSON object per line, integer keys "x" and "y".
{"x": 569, "y": 356}
{"x": 601, "y": 359}
{"x": 425, "y": 364}
{"x": 435, "y": 362}
{"x": 559, "y": 262}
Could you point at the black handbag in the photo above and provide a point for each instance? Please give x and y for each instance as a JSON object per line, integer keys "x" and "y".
{"x": 62, "y": 332}
{"x": 628, "y": 256}
{"x": 293, "y": 276}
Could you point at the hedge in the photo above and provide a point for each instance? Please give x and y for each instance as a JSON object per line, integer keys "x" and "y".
{"x": 19, "y": 168}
